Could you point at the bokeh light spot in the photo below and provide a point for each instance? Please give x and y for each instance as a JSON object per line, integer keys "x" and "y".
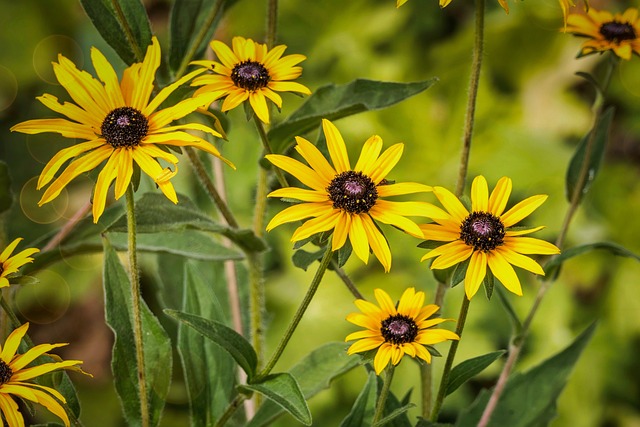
{"x": 46, "y": 301}
{"x": 47, "y": 213}
{"x": 8, "y": 88}
{"x": 47, "y": 52}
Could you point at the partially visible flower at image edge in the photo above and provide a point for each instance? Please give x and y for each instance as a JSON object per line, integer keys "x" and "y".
{"x": 445, "y": 3}
{"x": 119, "y": 123}
{"x": 605, "y": 31}
{"x": 483, "y": 235}
{"x": 250, "y": 72}
{"x": 14, "y": 374}
{"x": 566, "y": 6}
{"x": 10, "y": 264}
{"x": 396, "y": 331}
{"x": 347, "y": 200}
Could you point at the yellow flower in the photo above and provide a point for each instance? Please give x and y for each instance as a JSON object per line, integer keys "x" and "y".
{"x": 14, "y": 374}
{"x": 445, "y": 3}
{"x": 566, "y": 5}
{"x": 619, "y": 33}
{"x": 484, "y": 236}
{"x": 10, "y": 264}
{"x": 119, "y": 124}
{"x": 395, "y": 332}
{"x": 345, "y": 199}
{"x": 250, "y": 71}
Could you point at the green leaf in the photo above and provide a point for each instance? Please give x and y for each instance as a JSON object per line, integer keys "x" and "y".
{"x": 6, "y": 198}
{"x": 314, "y": 373}
{"x": 599, "y": 143}
{"x": 459, "y": 272}
{"x": 508, "y": 308}
{"x": 156, "y": 343}
{"x": 334, "y": 102}
{"x": 468, "y": 369}
{"x": 364, "y": 408}
{"x": 210, "y": 372}
{"x": 284, "y": 390}
{"x": 123, "y": 24}
{"x": 235, "y": 344}
{"x": 489, "y": 284}
{"x": 303, "y": 259}
{"x": 529, "y": 399}
{"x": 552, "y": 268}
{"x": 192, "y": 22}
{"x": 394, "y": 415}
{"x": 157, "y": 214}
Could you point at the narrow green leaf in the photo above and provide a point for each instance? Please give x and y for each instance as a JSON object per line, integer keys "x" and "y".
{"x": 529, "y": 399}
{"x": 314, "y": 373}
{"x": 334, "y": 102}
{"x": 426, "y": 423}
{"x": 553, "y": 266}
{"x": 210, "y": 372}
{"x": 489, "y": 284}
{"x": 157, "y": 346}
{"x": 468, "y": 369}
{"x": 601, "y": 136}
{"x": 6, "y": 198}
{"x": 364, "y": 408}
{"x": 235, "y": 344}
{"x": 123, "y": 24}
{"x": 394, "y": 415}
{"x": 508, "y": 308}
{"x": 284, "y": 390}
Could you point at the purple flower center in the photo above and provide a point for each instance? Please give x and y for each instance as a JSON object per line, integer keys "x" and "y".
{"x": 124, "y": 127}
{"x": 482, "y": 230}
{"x": 250, "y": 75}
{"x": 615, "y": 31}
{"x": 399, "y": 329}
{"x": 5, "y": 372}
{"x": 353, "y": 192}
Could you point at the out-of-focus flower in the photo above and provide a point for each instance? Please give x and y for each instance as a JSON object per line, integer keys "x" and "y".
{"x": 250, "y": 72}
{"x": 605, "y": 31}
{"x": 10, "y": 264}
{"x": 407, "y": 329}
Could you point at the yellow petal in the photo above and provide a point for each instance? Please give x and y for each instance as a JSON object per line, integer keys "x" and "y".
{"x": 450, "y": 254}
{"x": 316, "y": 225}
{"x": 380, "y": 214}
{"x": 6, "y": 253}
{"x": 337, "y": 149}
{"x": 13, "y": 342}
{"x": 177, "y": 111}
{"x": 386, "y": 162}
{"x": 147, "y": 74}
{"x": 107, "y": 74}
{"x": 168, "y": 90}
{"x": 105, "y": 178}
{"x": 451, "y": 204}
{"x": 10, "y": 411}
{"x": 289, "y": 86}
{"x": 438, "y": 233}
{"x": 315, "y": 159}
{"x": 504, "y": 272}
{"x": 519, "y": 260}
{"x": 300, "y": 194}
{"x": 530, "y": 245}
{"x": 305, "y": 174}
{"x": 383, "y": 356}
{"x": 72, "y": 111}
{"x": 479, "y": 194}
{"x": 475, "y": 273}
{"x": 385, "y": 302}
{"x": 224, "y": 54}
{"x": 500, "y": 196}
{"x": 151, "y": 167}
{"x": 259, "y": 105}
{"x": 403, "y": 188}
{"x": 341, "y": 231}
{"x": 522, "y": 210}
{"x": 364, "y": 345}
{"x": 62, "y": 126}
{"x": 368, "y": 155}
{"x": 299, "y": 212}
{"x": 358, "y": 238}
{"x": 378, "y": 243}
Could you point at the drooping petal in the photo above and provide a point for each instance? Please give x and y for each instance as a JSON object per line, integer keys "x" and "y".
{"x": 341, "y": 231}
{"x": 358, "y": 239}
{"x": 504, "y": 272}
{"x": 380, "y": 214}
{"x": 519, "y": 260}
{"x": 10, "y": 411}
{"x": 105, "y": 178}
{"x": 450, "y": 254}
{"x": 383, "y": 356}
{"x": 259, "y": 105}
{"x": 475, "y": 273}
{"x": 378, "y": 243}
{"x": 322, "y": 223}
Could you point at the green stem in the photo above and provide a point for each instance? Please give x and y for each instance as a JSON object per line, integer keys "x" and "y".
{"x": 326, "y": 260}
{"x": 231, "y": 409}
{"x": 384, "y": 393}
{"x": 211, "y": 188}
{"x": 134, "y": 278}
{"x": 267, "y": 148}
{"x": 272, "y": 23}
{"x": 462, "y": 318}
{"x": 518, "y": 341}
{"x": 426, "y": 386}
{"x": 197, "y": 41}
{"x": 474, "y": 84}
{"x": 346, "y": 280}
{"x": 137, "y": 51}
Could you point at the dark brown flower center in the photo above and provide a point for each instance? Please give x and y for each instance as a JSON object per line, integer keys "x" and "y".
{"x": 353, "y": 192}
{"x": 124, "y": 127}
{"x": 615, "y": 31}
{"x": 250, "y": 75}
{"x": 483, "y": 231}
{"x": 5, "y": 372}
{"x": 399, "y": 329}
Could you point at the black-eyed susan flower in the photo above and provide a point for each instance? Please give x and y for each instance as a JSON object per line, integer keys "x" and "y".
{"x": 605, "y": 31}
{"x": 14, "y": 377}
{"x": 119, "y": 124}
{"x": 250, "y": 72}
{"x": 10, "y": 264}
{"x": 397, "y": 330}
{"x": 347, "y": 200}
{"x": 483, "y": 235}
{"x": 445, "y": 3}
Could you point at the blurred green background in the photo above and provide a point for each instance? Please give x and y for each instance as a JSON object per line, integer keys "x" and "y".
{"x": 532, "y": 111}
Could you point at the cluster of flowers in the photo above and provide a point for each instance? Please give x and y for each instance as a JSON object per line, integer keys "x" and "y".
{"x": 121, "y": 124}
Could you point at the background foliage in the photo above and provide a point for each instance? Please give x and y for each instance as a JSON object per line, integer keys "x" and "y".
{"x": 532, "y": 113}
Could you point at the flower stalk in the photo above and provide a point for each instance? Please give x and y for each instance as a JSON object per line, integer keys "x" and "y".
{"x": 134, "y": 280}
{"x": 518, "y": 342}
{"x": 384, "y": 393}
